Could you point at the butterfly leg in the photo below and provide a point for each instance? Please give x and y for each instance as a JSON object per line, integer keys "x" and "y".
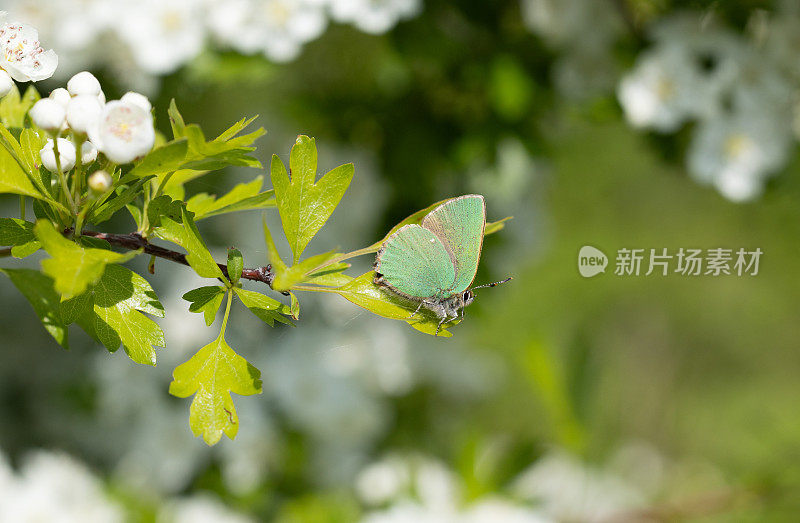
{"x": 416, "y": 311}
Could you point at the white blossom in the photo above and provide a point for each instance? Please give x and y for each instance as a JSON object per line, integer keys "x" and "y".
{"x": 48, "y": 114}
{"x": 55, "y": 487}
{"x": 21, "y": 54}
{"x": 83, "y": 112}
{"x": 61, "y": 96}
{"x": 88, "y": 152}
{"x": 162, "y": 35}
{"x": 66, "y": 154}
{"x": 277, "y": 28}
{"x": 737, "y": 153}
{"x": 374, "y": 16}
{"x": 6, "y": 83}
{"x": 199, "y": 509}
{"x": 137, "y": 99}
{"x": 124, "y": 132}
{"x": 84, "y": 83}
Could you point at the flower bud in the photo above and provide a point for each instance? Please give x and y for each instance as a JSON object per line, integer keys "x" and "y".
{"x": 88, "y": 152}
{"x": 66, "y": 154}
{"x": 84, "y": 83}
{"x": 61, "y": 96}
{"x": 48, "y": 114}
{"x": 100, "y": 182}
{"x": 138, "y": 100}
{"x": 6, "y": 83}
{"x": 83, "y": 111}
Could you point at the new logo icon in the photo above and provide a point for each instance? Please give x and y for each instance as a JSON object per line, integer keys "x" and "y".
{"x": 591, "y": 261}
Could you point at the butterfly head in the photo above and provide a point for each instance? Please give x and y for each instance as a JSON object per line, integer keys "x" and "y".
{"x": 468, "y": 297}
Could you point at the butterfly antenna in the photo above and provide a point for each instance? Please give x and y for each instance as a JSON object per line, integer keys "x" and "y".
{"x": 495, "y": 284}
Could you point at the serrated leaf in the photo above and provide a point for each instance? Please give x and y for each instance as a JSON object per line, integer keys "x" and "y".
{"x": 31, "y": 143}
{"x": 363, "y": 292}
{"x": 187, "y": 236}
{"x": 165, "y": 159}
{"x": 226, "y": 149}
{"x": 245, "y": 196}
{"x": 114, "y": 316}
{"x": 14, "y": 107}
{"x": 38, "y": 290}
{"x": 206, "y": 300}
{"x": 110, "y": 207}
{"x": 19, "y": 235}
{"x": 73, "y": 267}
{"x": 264, "y": 307}
{"x": 164, "y": 206}
{"x": 13, "y": 178}
{"x": 304, "y": 205}
{"x": 287, "y": 278}
{"x": 212, "y": 375}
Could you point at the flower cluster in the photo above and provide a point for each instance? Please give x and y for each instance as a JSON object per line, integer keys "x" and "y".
{"x": 158, "y": 37}
{"x": 22, "y": 57}
{"x": 738, "y": 90}
{"x": 121, "y": 129}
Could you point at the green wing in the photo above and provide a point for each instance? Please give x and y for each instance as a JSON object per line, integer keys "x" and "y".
{"x": 459, "y": 224}
{"x": 414, "y": 262}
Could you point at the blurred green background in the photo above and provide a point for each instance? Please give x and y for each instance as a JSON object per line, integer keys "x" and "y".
{"x": 651, "y": 398}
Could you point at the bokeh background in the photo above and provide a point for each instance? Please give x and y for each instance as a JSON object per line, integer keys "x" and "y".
{"x": 613, "y": 123}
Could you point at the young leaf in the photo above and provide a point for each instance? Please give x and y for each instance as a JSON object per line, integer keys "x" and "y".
{"x": 305, "y": 206}
{"x": 165, "y": 159}
{"x": 38, "y": 289}
{"x": 363, "y": 292}
{"x": 72, "y": 267}
{"x": 294, "y": 308}
{"x": 264, "y": 307}
{"x": 19, "y": 234}
{"x": 13, "y": 179}
{"x": 110, "y": 207}
{"x": 298, "y": 273}
{"x": 227, "y": 149}
{"x": 206, "y": 300}
{"x": 187, "y": 236}
{"x": 212, "y": 375}
{"x": 111, "y": 312}
{"x": 235, "y": 265}
{"x": 31, "y": 143}
{"x": 14, "y": 107}
{"x": 245, "y": 196}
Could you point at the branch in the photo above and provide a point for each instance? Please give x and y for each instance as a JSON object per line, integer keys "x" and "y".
{"x": 134, "y": 241}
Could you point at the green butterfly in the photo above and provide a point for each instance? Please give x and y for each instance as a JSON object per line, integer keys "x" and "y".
{"x": 435, "y": 262}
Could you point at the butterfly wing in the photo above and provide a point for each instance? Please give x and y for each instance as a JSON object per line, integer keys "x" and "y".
{"x": 415, "y": 263}
{"x": 459, "y": 224}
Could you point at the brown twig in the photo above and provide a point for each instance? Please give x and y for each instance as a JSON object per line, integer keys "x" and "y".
{"x": 134, "y": 241}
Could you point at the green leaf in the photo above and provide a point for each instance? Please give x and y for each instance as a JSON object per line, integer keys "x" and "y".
{"x": 494, "y": 227}
{"x": 227, "y": 149}
{"x": 305, "y": 206}
{"x": 72, "y": 267}
{"x": 235, "y": 265}
{"x": 164, "y": 206}
{"x": 287, "y": 278}
{"x": 187, "y": 236}
{"x": 363, "y": 292}
{"x": 111, "y": 312}
{"x": 212, "y": 375}
{"x": 125, "y": 196}
{"x": 264, "y": 307}
{"x": 294, "y": 308}
{"x": 13, "y": 178}
{"x": 167, "y": 158}
{"x": 245, "y": 196}
{"x": 272, "y": 252}
{"x": 38, "y": 289}
{"x": 14, "y": 107}
{"x": 206, "y": 300}
{"x": 19, "y": 234}
{"x": 31, "y": 143}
